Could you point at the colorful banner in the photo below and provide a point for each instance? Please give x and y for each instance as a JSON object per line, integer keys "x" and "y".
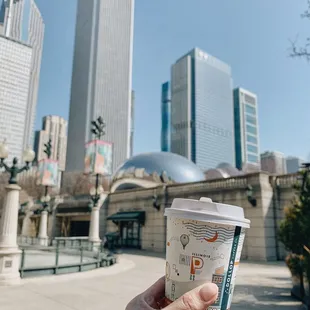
{"x": 98, "y": 158}
{"x": 47, "y": 174}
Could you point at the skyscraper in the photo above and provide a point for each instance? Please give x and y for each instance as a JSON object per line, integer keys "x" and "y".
{"x": 202, "y": 110}
{"x": 273, "y": 162}
{"x": 22, "y": 21}
{"x": 293, "y": 164}
{"x": 246, "y": 130}
{"x": 101, "y": 78}
{"x": 165, "y": 117}
{"x": 55, "y": 128}
{"x": 15, "y": 72}
{"x": 132, "y": 117}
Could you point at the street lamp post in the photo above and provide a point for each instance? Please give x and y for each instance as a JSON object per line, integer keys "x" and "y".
{"x": 45, "y": 200}
{"x": 9, "y": 251}
{"x": 96, "y": 193}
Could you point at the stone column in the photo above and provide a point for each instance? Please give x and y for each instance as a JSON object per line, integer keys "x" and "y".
{"x": 26, "y": 223}
{"x": 261, "y": 237}
{"x": 52, "y": 219}
{"x": 26, "y": 220}
{"x": 9, "y": 251}
{"x": 43, "y": 238}
{"x": 94, "y": 221}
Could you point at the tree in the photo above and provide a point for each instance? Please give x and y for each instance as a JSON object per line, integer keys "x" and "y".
{"x": 77, "y": 183}
{"x": 302, "y": 51}
{"x": 29, "y": 185}
{"x": 295, "y": 230}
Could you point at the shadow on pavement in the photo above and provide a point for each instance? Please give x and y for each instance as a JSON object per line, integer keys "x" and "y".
{"x": 264, "y": 297}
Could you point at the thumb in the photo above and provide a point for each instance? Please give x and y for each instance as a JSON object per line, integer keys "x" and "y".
{"x": 199, "y": 298}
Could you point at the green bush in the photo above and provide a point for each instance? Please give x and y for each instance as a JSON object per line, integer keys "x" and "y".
{"x": 294, "y": 231}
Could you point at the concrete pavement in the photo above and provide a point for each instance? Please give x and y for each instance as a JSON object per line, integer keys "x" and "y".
{"x": 259, "y": 286}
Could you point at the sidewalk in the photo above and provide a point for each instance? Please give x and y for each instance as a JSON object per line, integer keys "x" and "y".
{"x": 259, "y": 286}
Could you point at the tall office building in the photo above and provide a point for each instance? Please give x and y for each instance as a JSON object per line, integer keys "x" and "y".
{"x": 101, "y": 78}
{"x": 293, "y": 164}
{"x": 246, "y": 130}
{"x": 54, "y": 128}
{"x": 132, "y": 117}
{"x": 15, "y": 74}
{"x": 202, "y": 110}
{"x": 165, "y": 117}
{"x": 22, "y": 21}
{"x": 273, "y": 162}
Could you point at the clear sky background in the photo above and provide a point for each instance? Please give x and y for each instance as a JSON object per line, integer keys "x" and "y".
{"x": 250, "y": 35}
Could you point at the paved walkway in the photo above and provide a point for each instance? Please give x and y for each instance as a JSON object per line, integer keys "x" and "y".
{"x": 260, "y": 286}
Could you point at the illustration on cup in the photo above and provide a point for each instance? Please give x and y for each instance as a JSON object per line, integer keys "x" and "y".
{"x": 168, "y": 271}
{"x": 218, "y": 279}
{"x": 208, "y": 233}
{"x": 196, "y": 266}
{"x": 184, "y": 240}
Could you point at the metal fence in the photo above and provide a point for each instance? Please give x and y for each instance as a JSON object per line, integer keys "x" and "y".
{"x": 24, "y": 240}
{"x": 77, "y": 243}
{"x": 74, "y": 260}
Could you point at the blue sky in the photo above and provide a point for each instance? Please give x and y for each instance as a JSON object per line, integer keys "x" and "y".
{"x": 251, "y": 36}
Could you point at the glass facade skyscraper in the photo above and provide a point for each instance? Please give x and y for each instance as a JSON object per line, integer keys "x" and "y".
{"x": 246, "y": 130}
{"x": 202, "y": 110}
{"x": 22, "y": 21}
{"x": 15, "y": 75}
{"x": 293, "y": 164}
{"x": 101, "y": 78}
{"x": 165, "y": 117}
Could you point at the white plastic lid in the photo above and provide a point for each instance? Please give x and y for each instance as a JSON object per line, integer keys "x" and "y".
{"x": 206, "y": 210}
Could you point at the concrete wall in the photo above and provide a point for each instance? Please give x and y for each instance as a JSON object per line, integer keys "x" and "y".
{"x": 271, "y": 193}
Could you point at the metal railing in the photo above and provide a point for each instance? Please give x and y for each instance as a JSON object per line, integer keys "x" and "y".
{"x": 85, "y": 260}
{"x": 77, "y": 243}
{"x": 25, "y": 240}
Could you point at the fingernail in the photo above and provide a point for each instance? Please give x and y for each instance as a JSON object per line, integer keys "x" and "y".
{"x": 208, "y": 292}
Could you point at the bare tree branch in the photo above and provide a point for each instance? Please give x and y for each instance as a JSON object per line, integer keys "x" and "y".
{"x": 303, "y": 52}
{"x": 306, "y": 14}
{"x": 77, "y": 183}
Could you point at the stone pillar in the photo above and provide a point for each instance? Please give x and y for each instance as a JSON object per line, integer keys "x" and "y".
{"x": 52, "y": 219}
{"x": 26, "y": 224}
{"x": 43, "y": 238}
{"x": 261, "y": 237}
{"x": 9, "y": 251}
{"x": 95, "y": 221}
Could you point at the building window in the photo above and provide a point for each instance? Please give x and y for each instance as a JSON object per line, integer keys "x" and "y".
{"x": 251, "y": 139}
{"x": 252, "y": 148}
{"x": 250, "y": 109}
{"x": 251, "y": 119}
{"x": 252, "y": 158}
{"x": 251, "y": 129}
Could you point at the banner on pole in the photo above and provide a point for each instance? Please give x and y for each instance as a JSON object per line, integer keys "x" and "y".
{"x": 47, "y": 174}
{"x": 98, "y": 157}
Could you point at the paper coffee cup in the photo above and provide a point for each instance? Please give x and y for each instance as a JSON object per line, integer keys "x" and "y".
{"x": 204, "y": 244}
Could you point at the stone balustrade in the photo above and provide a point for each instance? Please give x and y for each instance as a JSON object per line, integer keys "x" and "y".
{"x": 287, "y": 180}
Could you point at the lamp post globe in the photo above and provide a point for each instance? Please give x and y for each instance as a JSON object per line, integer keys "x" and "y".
{"x": 4, "y": 151}
{"x": 93, "y": 191}
{"x": 100, "y": 190}
{"x": 28, "y": 155}
{"x": 47, "y": 198}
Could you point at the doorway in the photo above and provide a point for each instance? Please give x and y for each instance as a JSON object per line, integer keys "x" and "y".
{"x": 130, "y": 234}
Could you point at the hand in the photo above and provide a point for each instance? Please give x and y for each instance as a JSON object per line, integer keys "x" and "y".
{"x": 199, "y": 298}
